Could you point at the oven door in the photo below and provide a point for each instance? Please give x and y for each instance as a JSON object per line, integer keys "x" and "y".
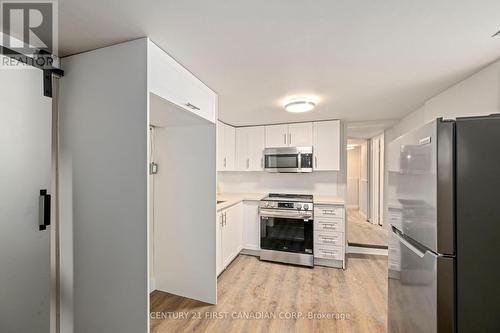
{"x": 286, "y": 231}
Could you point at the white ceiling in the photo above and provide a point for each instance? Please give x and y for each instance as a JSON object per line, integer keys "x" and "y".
{"x": 365, "y": 60}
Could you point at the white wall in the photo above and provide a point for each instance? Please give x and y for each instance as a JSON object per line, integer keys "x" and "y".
{"x": 103, "y": 151}
{"x": 475, "y": 96}
{"x": 264, "y": 182}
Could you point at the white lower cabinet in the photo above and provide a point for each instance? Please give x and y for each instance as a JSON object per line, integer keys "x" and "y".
{"x": 329, "y": 235}
{"x": 251, "y": 225}
{"x": 229, "y": 235}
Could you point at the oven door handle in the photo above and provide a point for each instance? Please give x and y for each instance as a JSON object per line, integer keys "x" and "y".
{"x": 284, "y": 214}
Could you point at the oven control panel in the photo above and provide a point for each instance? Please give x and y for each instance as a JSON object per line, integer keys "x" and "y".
{"x": 306, "y": 206}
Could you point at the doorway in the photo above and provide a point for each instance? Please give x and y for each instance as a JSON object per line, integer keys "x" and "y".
{"x": 365, "y": 159}
{"x": 182, "y": 202}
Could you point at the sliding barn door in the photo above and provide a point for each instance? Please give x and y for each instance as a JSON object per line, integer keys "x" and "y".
{"x": 25, "y": 180}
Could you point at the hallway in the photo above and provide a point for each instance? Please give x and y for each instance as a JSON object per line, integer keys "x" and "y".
{"x": 360, "y": 231}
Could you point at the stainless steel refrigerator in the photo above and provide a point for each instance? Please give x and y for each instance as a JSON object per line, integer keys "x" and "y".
{"x": 443, "y": 208}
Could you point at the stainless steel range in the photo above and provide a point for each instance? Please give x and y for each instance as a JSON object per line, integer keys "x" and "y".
{"x": 286, "y": 228}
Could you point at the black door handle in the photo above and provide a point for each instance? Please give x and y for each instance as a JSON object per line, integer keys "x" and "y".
{"x": 44, "y": 210}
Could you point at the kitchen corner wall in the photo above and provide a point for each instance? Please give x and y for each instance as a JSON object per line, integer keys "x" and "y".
{"x": 324, "y": 182}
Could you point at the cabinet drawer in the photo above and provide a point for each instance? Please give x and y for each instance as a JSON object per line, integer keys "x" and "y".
{"x": 329, "y": 238}
{"x": 328, "y": 226}
{"x": 329, "y": 211}
{"x": 327, "y": 252}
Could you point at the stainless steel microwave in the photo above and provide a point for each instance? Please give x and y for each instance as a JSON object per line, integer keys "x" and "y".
{"x": 288, "y": 159}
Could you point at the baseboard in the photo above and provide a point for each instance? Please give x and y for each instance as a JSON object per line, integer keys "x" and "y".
{"x": 367, "y": 250}
{"x": 329, "y": 263}
{"x": 250, "y": 252}
{"x": 371, "y": 246}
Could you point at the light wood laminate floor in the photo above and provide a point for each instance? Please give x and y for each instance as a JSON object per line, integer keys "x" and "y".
{"x": 360, "y": 231}
{"x": 250, "y": 286}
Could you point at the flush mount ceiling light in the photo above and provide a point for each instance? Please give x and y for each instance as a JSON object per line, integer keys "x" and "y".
{"x": 299, "y": 104}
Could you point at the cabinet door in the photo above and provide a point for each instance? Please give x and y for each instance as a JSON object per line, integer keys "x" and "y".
{"x": 230, "y": 146}
{"x": 326, "y": 145}
{"x": 221, "y": 154}
{"x": 300, "y": 135}
{"x": 169, "y": 80}
{"x": 218, "y": 242}
{"x": 242, "y": 145}
{"x": 276, "y": 136}
{"x": 232, "y": 234}
{"x": 255, "y": 148}
{"x": 251, "y": 225}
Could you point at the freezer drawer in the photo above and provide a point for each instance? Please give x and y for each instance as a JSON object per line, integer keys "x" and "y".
{"x": 421, "y": 289}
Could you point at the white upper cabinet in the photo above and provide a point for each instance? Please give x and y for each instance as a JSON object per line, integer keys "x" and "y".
{"x": 326, "y": 145}
{"x": 169, "y": 80}
{"x": 277, "y": 136}
{"x": 249, "y": 148}
{"x": 289, "y": 135}
{"x": 300, "y": 135}
{"x": 226, "y": 147}
{"x": 244, "y": 150}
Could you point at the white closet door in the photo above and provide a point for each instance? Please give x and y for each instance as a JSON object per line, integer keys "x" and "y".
{"x": 375, "y": 181}
{"x": 25, "y": 169}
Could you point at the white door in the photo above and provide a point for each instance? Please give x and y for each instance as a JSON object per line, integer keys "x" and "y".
{"x": 276, "y": 136}
{"x": 300, "y": 135}
{"x": 25, "y": 170}
{"x": 326, "y": 147}
{"x": 375, "y": 181}
{"x": 255, "y": 148}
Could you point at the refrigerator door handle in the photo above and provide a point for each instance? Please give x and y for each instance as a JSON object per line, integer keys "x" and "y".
{"x": 409, "y": 245}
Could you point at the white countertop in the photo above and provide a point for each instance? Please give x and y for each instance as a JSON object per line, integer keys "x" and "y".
{"x": 322, "y": 199}
{"x": 231, "y": 199}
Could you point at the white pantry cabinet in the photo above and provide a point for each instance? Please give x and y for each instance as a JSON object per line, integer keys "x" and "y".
{"x": 251, "y": 225}
{"x": 326, "y": 145}
{"x": 226, "y": 147}
{"x": 289, "y": 135}
{"x": 249, "y": 148}
{"x": 229, "y": 235}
